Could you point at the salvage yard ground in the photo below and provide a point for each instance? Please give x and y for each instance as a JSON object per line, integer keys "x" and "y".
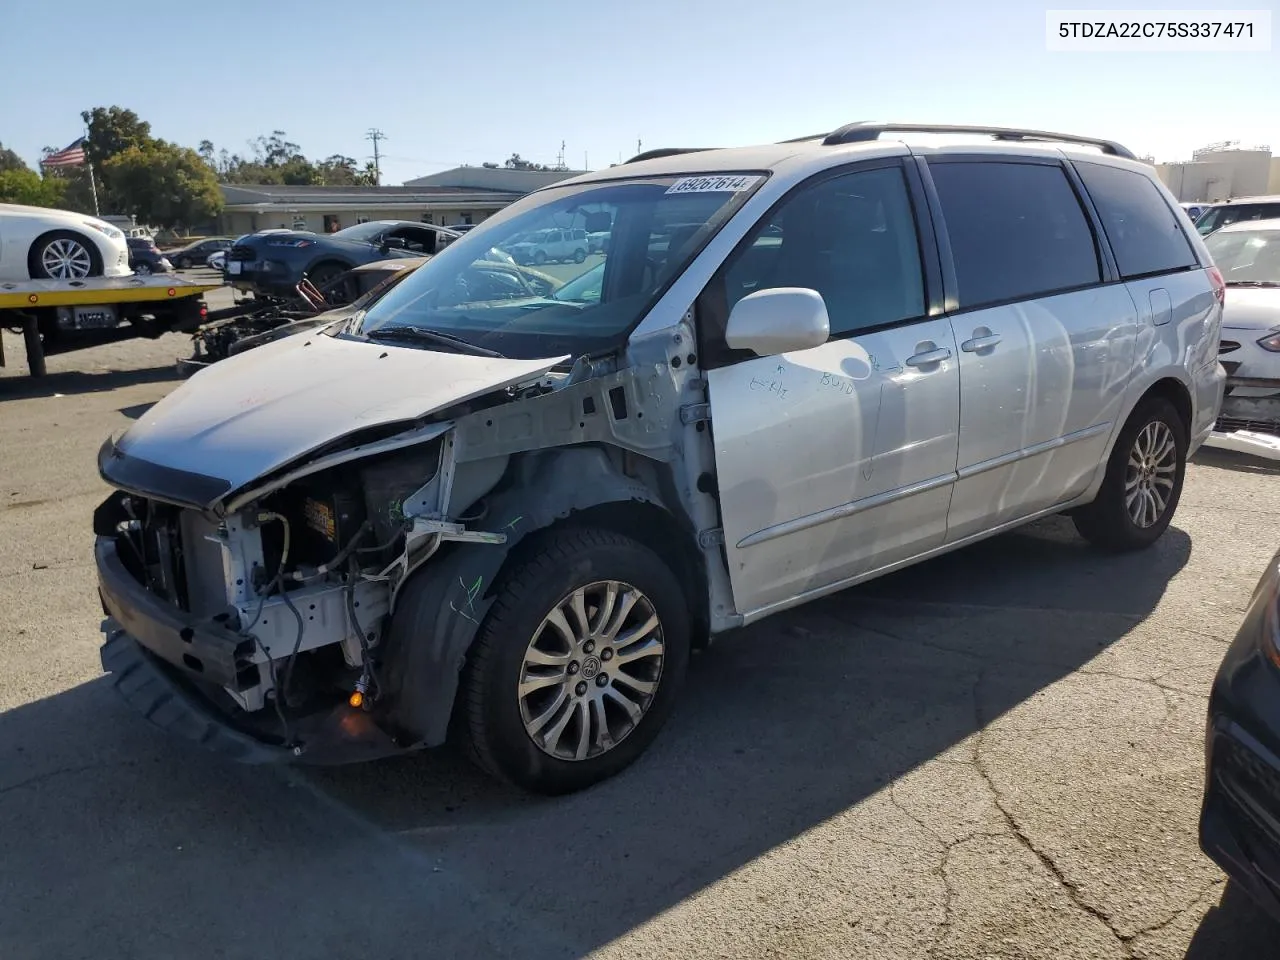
{"x": 996, "y": 754}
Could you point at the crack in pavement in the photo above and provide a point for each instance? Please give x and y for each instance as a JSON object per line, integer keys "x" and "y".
{"x": 1072, "y": 890}
{"x": 60, "y": 771}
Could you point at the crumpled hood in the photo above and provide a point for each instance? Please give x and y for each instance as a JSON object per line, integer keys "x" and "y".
{"x": 1251, "y": 308}
{"x": 258, "y": 411}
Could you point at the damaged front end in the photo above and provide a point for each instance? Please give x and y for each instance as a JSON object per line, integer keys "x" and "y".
{"x": 262, "y": 618}
{"x": 1249, "y": 421}
{"x": 269, "y": 618}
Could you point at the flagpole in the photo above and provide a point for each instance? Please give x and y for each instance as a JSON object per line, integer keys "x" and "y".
{"x": 93, "y": 186}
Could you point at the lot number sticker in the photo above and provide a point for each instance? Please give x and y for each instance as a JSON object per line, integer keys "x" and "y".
{"x": 732, "y": 184}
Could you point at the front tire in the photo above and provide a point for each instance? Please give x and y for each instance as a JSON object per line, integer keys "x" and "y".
{"x": 64, "y": 255}
{"x": 539, "y": 257}
{"x": 579, "y": 255}
{"x": 183, "y": 263}
{"x": 578, "y": 662}
{"x": 1143, "y": 484}
{"x": 143, "y": 270}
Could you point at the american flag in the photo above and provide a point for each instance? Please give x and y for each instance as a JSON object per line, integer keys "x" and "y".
{"x": 71, "y": 156}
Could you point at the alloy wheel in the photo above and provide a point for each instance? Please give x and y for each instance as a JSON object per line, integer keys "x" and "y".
{"x": 66, "y": 259}
{"x": 591, "y": 670}
{"x": 1152, "y": 471}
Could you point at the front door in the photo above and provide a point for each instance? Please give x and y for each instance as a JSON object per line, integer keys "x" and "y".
{"x": 1045, "y": 346}
{"x": 839, "y": 460}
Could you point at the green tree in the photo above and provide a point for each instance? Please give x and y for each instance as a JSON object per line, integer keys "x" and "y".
{"x": 164, "y": 185}
{"x": 10, "y": 160}
{"x": 113, "y": 130}
{"x": 27, "y": 187}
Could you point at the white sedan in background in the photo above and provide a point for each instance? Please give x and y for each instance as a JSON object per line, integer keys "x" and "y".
{"x": 1248, "y": 255}
{"x": 216, "y": 260}
{"x": 41, "y": 244}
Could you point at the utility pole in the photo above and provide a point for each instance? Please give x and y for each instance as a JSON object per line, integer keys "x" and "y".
{"x": 376, "y": 135}
{"x": 560, "y": 157}
{"x": 638, "y": 150}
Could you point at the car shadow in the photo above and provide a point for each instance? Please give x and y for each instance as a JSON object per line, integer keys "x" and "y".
{"x": 781, "y": 727}
{"x": 73, "y": 382}
{"x": 1236, "y": 460}
{"x": 1235, "y": 928}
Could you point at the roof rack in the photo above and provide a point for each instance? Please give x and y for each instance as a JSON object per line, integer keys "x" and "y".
{"x": 864, "y": 131}
{"x": 665, "y": 152}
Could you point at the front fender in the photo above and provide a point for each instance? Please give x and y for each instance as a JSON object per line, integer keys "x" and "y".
{"x": 444, "y": 602}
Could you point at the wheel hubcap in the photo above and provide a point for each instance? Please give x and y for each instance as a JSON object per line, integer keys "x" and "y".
{"x": 574, "y": 708}
{"x": 65, "y": 259}
{"x": 1149, "y": 479}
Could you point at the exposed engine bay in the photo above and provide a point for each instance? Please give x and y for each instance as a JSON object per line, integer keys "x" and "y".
{"x": 280, "y": 593}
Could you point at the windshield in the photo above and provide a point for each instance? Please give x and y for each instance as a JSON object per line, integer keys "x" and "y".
{"x": 361, "y": 231}
{"x": 1247, "y": 256}
{"x": 563, "y": 294}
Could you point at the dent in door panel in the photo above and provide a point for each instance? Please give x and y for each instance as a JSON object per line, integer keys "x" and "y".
{"x": 1036, "y": 410}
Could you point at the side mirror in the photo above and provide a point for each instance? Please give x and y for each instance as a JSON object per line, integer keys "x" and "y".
{"x": 778, "y": 320}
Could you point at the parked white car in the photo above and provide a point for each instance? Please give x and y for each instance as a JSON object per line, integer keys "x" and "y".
{"x": 41, "y": 244}
{"x": 217, "y": 260}
{"x": 1248, "y": 254}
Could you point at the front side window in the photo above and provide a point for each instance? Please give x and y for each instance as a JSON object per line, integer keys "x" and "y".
{"x": 852, "y": 238}
{"x": 546, "y": 303}
{"x": 1017, "y": 231}
{"x": 1146, "y": 234}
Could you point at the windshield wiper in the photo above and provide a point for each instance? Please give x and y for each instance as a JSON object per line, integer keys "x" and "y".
{"x": 1253, "y": 283}
{"x": 404, "y": 331}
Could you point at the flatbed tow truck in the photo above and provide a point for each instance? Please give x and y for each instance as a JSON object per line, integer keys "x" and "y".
{"x": 58, "y": 316}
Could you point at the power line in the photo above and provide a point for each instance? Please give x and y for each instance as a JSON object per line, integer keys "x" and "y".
{"x": 376, "y": 135}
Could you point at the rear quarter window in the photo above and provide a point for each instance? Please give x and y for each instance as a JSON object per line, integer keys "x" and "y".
{"x": 1017, "y": 230}
{"x": 1145, "y": 232}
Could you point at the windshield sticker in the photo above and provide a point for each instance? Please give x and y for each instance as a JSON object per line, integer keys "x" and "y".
{"x": 733, "y": 184}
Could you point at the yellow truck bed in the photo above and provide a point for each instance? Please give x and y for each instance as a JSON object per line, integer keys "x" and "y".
{"x": 28, "y": 294}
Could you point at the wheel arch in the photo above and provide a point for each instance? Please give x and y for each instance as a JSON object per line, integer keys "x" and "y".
{"x": 443, "y": 603}
{"x": 96, "y": 262}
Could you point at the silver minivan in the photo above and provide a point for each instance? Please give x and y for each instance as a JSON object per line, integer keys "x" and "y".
{"x": 799, "y": 366}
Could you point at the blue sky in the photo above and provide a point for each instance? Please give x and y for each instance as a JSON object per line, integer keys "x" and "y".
{"x": 454, "y": 83}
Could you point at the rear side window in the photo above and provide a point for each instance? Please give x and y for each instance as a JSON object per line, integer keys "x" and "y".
{"x": 1146, "y": 234}
{"x": 1017, "y": 231}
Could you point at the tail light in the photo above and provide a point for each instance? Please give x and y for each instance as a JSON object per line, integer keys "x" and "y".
{"x": 1219, "y": 285}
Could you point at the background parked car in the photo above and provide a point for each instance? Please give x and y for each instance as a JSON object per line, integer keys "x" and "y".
{"x": 547, "y": 246}
{"x": 217, "y": 261}
{"x": 1195, "y": 210}
{"x": 145, "y": 257}
{"x": 1233, "y": 211}
{"x": 43, "y": 244}
{"x": 273, "y": 263}
{"x": 1248, "y": 254}
{"x": 193, "y": 254}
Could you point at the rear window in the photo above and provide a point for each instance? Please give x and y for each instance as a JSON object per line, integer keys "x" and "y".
{"x": 1146, "y": 233}
{"x": 1017, "y": 231}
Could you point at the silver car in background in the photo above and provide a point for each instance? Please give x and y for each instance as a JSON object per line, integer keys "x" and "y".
{"x": 509, "y": 519}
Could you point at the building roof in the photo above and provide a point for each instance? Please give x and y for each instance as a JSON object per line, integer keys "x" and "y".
{"x": 277, "y": 195}
{"x": 493, "y": 178}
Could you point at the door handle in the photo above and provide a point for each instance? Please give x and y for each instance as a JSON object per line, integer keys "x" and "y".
{"x": 978, "y": 344}
{"x": 928, "y": 357}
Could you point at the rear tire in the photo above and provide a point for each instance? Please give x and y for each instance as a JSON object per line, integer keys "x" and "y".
{"x": 1143, "y": 484}
{"x": 539, "y": 257}
{"x": 529, "y": 688}
{"x": 143, "y": 270}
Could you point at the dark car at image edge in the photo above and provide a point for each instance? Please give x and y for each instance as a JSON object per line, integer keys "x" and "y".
{"x": 1240, "y": 815}
{"x": 272, "y": 264}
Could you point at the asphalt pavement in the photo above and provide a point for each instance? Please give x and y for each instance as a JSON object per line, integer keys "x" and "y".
{"x": 994, "y": 754}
